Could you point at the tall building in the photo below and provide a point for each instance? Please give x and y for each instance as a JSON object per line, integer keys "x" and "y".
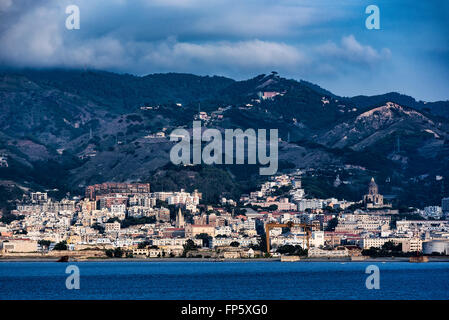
{"x": 373, "y": 199}
{"x": 180, "y": 223}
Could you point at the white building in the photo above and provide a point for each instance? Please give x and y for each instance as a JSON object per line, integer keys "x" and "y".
{"x": 312, "y": 204}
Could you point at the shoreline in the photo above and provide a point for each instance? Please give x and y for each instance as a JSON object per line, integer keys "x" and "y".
{"x": 155, "y": 260}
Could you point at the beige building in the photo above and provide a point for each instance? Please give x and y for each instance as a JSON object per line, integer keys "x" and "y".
{"x": 193, "y": 230}
{"x": 112, "y": 227}
{"x": 367, "y": 243}
{"x": 319, "y": 253}
{"x": 22, "y": 245}
{"x": 408, "y": 244}
{"x": 140, "y": 252}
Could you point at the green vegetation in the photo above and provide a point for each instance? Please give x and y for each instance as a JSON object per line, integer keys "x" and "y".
{"x": 98, "y": 226}
{"x": 331, "y": 224}
{"x": 321, "y": 186}
{"x": 131, "y": 221}
{"x": 8, "y": 218}
{"x": 189, "y": 246}
{"x": 114, "y": 253}
{"x": 282, "y": 190}
{"x": 45, "y": 244}
{"x": 61, "y": 246}
{"x": 143, "y": 245}
{"x": 291, "y": 250}
{"x": 6, "y": 195}
{"x": 205, "y": 237}
{"x": 39, "y": 118}
{"x": 212, "y": 181}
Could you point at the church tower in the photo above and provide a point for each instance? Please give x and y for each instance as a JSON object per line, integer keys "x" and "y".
{"x": 373, "y": 199}
{"x": 180, "y": 223}
{"x": 372, "y": 188}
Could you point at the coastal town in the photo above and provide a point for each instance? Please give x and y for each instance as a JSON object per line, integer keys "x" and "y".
{"x": 279, "y": 220}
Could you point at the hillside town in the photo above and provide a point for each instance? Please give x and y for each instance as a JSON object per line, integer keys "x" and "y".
{"x": 128, "y": 220}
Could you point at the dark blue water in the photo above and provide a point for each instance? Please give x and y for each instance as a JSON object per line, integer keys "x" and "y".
{"x": 223, "y": 280}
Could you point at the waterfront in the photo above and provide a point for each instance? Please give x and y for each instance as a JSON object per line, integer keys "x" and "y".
{"x": 223, "y": 280}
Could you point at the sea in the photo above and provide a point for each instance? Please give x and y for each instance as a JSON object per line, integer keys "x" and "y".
{"x": 130, "y": 280}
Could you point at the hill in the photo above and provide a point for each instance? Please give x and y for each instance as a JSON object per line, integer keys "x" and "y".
{"x": 66, "y": 129}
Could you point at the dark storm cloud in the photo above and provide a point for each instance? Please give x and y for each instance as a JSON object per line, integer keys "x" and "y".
{"x": 315, "y": 40}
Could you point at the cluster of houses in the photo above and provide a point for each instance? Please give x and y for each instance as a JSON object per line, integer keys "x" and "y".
{"x": 178, "y": 223}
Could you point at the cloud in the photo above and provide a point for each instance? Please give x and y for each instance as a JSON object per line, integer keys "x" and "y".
{"x": 37, "y": 38}
{"x": 242, "y": 55}
{"x": 34, "y": 39}
{"x": 352, "y": 51}
{"x": 260, "y": 21}
{"x": 316, "y": 41}
{"x": 5, "y": 4}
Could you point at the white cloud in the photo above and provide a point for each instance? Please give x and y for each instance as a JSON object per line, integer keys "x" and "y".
{"x": 242, "y": 54}
{"x": 352, "y": 51}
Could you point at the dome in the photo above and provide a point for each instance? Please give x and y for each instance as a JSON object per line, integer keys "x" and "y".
{"x": 372, "y": 188}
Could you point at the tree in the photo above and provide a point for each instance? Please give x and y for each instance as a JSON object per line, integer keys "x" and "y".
{"x": 143, "y": 244}
{"x": 331, "y": 224}
{"x": 118, "y": 253}
{"x": 390, "y": 246}
{"x": 300, "y": 251}
{"x": 234, "y": 244}
{"x": 60, "y": 246}
{"x": 282, "y": 190}
{"x": 289, "y": 249}
{"x": 189, "y": 246}
{"x": 371, "y": 252}
{"x": 44, "y": 243}
{"x": 286, "y": 249}
{"x": 8, "y": 218}
{"x": 205, "y": 237}
{"x": 132, "y": 221}
{"x": 109, "y": 253}
{"x": 99, "y": 227}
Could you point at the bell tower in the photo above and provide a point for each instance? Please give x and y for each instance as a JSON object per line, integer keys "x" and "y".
{"x": 180, "y": 223}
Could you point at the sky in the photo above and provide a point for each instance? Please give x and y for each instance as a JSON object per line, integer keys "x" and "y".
{"x": 322, "y": 41}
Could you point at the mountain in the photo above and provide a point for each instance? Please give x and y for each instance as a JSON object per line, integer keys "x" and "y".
{"x": 66, "y": 129}
{"x": 438, "y": 108}
{"x": 373, "y": 126}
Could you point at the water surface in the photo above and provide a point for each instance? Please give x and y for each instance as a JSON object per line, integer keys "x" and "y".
{"x": 224, "y": 280}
